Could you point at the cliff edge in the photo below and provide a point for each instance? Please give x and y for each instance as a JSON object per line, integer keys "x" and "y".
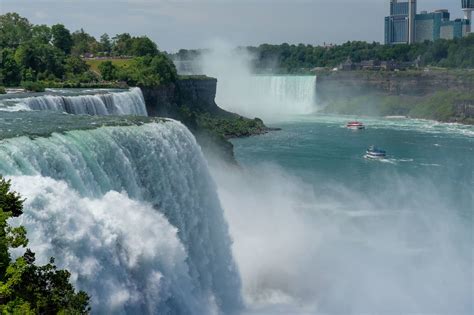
{"x": 191, "y": 100}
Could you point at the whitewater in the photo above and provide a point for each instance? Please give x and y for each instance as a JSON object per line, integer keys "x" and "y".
{"x": 80, "y": 102}
{"x": 271, "y": 98}
{"x": 132, "y": 213}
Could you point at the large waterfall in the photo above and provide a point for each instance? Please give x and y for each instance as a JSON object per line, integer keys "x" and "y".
{"x": 106, "y": 103}
{"x": 132, "y": 212}
{"x": 268, "y": 97}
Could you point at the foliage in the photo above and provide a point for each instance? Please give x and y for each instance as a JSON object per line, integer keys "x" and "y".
{"x": 457, "y": 53}
{"x": 33, "y": 86}
{"x": 30, "y": 53}
{"x": 95, "y": 63}
{"x": 26, "y": 288}
{"x": 14, "y": 30}
{"x": 83, "y": 43}
{"x": 231, "y": 127}
{"x": 9, "y": 69}
{"x": 62, "y": 38}
{"x": 75, "y": 65}
{"x": 105, "y": 43}
{"x": 108, "y": 71}
{"x": 148, "y": 71}
{"x": 2, "y": 90}
{"x": 301, "y": 58}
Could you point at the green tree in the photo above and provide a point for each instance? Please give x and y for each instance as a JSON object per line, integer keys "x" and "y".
{"x": 26, "y": 288}
{"x": 14, "y": 30}
{"x": 108, "y": 71}
{"x": 62, "y": 38}
{"x": 122, "y": 44}
{"x": 41, "y": 34}
{"x": 149, "y": 71}
{"x": 83, "y": 43}
{"x": 142, "y": 46}
{"x": 75, "y": 65}
{"x": 10, "y": 71}
{"x": 105, "y": 43}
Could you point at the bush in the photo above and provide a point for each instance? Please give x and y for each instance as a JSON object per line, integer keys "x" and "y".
{"x": 2, "y": 90}
{"x": 108, "y": 70}
{"x": 33, "y": 86}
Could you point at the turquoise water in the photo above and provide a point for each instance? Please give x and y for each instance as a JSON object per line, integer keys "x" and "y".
{"x": 321, "y": 149}
{"x": 318, "y": 229}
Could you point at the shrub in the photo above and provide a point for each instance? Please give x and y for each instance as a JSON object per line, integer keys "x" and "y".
{"x": 2, "y": 90}
{"x": 33, "y": 86}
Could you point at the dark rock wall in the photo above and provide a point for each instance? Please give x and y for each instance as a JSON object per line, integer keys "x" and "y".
{"x": 196, "y": 94}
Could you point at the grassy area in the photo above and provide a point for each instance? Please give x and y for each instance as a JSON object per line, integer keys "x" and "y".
{"x": 94, "y": 63}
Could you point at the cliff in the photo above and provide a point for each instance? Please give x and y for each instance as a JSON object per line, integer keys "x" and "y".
{"x": 191, "y": 100}
{"x": 197, "y": 93}
{"x": 440, "y": 95}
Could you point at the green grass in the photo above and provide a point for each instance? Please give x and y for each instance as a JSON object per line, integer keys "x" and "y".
{"x": 94, "y": 63}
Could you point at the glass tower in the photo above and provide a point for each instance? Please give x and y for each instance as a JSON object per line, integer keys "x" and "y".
{"x": 400, "y": 25}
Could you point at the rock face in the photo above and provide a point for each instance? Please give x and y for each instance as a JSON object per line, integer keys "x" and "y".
{"x": 464, "y": 109}
{"x": 161, "y": 101}
{"x": 409, "y": 89}
{"x": 391, "y": 83}
{"x": 198, "y": 94}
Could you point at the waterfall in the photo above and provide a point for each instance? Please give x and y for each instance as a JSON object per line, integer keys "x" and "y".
{"x": 129, "y": 102}
{"x": 132, "y": 212}
{"x": 268, "y": 97}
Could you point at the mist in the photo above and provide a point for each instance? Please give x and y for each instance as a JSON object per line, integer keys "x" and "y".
{"x": 331, "y": 250}
{"x": 241, "y": 90}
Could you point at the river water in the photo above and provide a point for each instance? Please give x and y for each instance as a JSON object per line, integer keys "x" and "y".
{"x": 318, "y": 229}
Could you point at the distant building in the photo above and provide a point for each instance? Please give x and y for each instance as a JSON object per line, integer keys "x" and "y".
{"x": 468, "y": 7}
{"x": 376, "y": 65}
{"x": 400, "y": 25}
{"x": 404, "y": 26}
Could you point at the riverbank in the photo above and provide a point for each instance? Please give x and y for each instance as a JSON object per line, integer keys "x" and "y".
{"x": 442, "y": 95}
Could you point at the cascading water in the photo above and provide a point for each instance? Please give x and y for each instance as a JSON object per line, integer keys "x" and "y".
{"x": 132, "y": 212}
{"x": 269, "y": 97}
{"x": 111, "y": 103}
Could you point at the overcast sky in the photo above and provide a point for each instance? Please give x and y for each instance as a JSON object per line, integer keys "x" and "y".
{"x": 175, "y": 24}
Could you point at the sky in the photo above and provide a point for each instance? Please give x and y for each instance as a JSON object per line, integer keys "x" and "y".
{"x": 175, "y": 24}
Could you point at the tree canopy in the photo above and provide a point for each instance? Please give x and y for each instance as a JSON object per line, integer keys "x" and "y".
{"x": 31, "y": 53}
{"x": 457, "y": 53}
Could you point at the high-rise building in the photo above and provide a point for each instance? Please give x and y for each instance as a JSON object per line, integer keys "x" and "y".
{"x": 400, "y": 25}
{"x": 405, "y": 26}
{"x": 468, "y": 7}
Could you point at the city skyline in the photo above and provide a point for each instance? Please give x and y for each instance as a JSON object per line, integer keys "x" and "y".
{"x": 195, "y": 23}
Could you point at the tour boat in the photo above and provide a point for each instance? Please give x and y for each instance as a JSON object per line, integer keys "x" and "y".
{"x": 356, "y": 125}
{"x": 375, "y": 153}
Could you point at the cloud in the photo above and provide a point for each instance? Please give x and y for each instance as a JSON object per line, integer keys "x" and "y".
{"x": 175, "y": 24}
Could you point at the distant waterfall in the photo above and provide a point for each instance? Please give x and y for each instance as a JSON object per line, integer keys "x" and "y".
{"x": 132, "y": 212}
{"x": 111, "y": 103}
{"x": 268, "y": 97}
